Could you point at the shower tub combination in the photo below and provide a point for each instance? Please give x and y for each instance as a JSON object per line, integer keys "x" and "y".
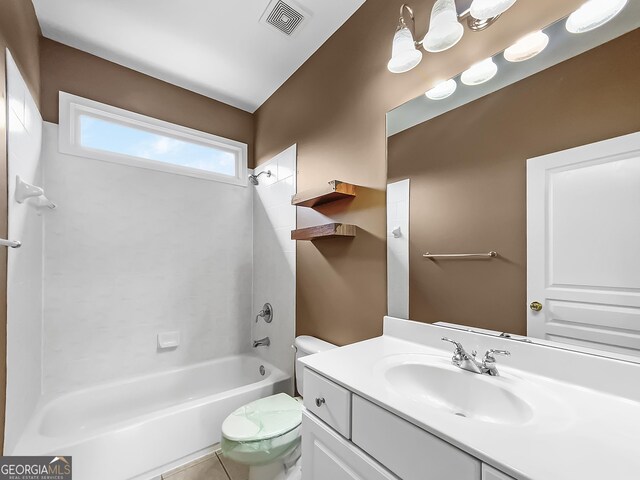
{"x": 139, "y": 428}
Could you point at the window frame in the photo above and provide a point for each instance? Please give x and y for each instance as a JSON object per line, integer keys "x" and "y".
{"x": 72, "y": 107}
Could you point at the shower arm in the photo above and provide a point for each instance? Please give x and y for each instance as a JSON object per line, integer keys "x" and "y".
{"x": 253, "y": 178}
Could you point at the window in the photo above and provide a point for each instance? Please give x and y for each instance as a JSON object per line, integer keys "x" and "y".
{"x": 95, "y": 130}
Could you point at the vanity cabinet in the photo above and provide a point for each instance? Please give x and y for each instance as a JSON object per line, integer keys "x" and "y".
{"x": 345, "y": 437}
{"x": 328, "y": 456}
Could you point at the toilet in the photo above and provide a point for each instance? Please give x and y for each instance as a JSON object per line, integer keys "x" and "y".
{"x": 265, "y": 434}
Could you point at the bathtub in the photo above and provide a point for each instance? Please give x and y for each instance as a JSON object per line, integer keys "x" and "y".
{"x": 141, "y": 427}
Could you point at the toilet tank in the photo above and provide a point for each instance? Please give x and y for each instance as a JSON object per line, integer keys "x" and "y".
{"x": 306, "y": 345}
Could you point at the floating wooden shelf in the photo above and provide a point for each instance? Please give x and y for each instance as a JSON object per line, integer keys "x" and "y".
{"x": 330, "y": 230}
{"x": 335, "y": 190}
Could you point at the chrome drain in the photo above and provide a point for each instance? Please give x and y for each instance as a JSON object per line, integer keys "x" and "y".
{"x": 460, "y": 414}
{"x": 262, "y": 370}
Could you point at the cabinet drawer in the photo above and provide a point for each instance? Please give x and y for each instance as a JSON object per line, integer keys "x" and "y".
{"x": 328, "y": 401}
{"x": 328, "y": 456}
{"x": 490, "y": 473}
{"x": 406, "y": 450}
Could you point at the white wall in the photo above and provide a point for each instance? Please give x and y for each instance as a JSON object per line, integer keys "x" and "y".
{"x": 274, "y": 274}
{"x": 130, "y": 253}
{"x": 24, "y": 270}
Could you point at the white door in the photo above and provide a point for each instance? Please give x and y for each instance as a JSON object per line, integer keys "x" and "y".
{"x": 583, "y": 246}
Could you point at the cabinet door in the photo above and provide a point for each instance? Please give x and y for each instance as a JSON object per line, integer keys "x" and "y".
{"x": 490, "y": 473}
{"x": 328, "y": 456}
{"x": 406, "y": 450}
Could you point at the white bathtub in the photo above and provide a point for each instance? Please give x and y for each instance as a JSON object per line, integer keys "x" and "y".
{"x": 138, "y": 428}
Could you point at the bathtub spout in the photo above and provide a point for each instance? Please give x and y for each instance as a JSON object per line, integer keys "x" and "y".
{"x": 263, "y": 342}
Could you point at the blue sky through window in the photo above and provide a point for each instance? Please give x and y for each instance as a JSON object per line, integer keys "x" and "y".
{"x": 116, "y": 138}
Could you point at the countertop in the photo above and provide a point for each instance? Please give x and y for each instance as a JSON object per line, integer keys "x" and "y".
{"x": 581, "y": 433}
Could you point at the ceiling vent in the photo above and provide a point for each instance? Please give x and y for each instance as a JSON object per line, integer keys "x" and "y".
{"x": 288, "y": 17}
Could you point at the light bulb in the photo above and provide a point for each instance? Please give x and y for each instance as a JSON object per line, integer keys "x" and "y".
{"x": 405, "y": 55}
{"x": 594, "y": 14}
{"x": 527, "y": 47}
{"x": 479, "y": 73}
{"x": 484, "y": 9}
{"x": 444, "y": 28}
{"x": 442, "y": 90}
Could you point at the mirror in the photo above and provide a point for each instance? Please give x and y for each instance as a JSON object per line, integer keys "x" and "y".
{"x": 541, "y": 165}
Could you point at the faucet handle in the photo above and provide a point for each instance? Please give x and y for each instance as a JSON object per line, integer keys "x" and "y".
{"x": 457, "y": 344}
{"x": 490, "y": 355}
{"x": 459, "y": 354}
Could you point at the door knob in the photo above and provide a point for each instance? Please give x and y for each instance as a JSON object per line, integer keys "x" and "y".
{"x": 535, "y": 306}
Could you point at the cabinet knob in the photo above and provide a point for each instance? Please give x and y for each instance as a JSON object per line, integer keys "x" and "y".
{"x": 535, "y": 306}
{"x": 320, "y": 402}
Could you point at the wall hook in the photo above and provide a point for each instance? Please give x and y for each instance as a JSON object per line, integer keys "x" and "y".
{"x": 25, "y": 190}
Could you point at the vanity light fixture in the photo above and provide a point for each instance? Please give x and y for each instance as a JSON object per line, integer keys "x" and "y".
{"x": 442, "y": 90}
{"x": 485, "y": 9}
{"x": 444, "y": 28}
{"x": 593, "y": 14}
{"x": 480, "y": 72}
{"x": 405, "y": 54}
{"x": 527, "y": 47}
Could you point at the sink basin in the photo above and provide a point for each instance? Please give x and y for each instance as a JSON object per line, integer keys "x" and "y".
{"x": 437, "y": 383}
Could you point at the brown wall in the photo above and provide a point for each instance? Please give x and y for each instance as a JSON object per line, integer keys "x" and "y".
{"x": 19, "y": 33}
{"x": 73, "y": 71}
{"x": 468, "y": 179}
{"x": 334, "y": 107}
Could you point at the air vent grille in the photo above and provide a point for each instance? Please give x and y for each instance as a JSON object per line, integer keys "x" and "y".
{"x": 284, "y": 17}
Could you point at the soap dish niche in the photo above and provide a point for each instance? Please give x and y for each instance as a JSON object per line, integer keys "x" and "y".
{"x": 25, "y": 191}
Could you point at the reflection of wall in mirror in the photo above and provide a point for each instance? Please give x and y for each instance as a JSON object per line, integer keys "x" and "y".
{"x": 467, "y": 171}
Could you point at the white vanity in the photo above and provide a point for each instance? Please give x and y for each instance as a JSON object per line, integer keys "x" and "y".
{"x": 396, "y": 407}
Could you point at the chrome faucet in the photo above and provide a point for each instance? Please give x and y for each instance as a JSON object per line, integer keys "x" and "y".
{"x": 463, "y": 360}
{"x": 263, "y": 342}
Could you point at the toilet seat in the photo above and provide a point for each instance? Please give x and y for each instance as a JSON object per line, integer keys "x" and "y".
{"x": 263, "y": 430}
{"x": 263, "y": 419}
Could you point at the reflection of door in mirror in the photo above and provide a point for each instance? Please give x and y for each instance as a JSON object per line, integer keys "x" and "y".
{"x": 468, "y": 195}
{"x": 583, "y": 237}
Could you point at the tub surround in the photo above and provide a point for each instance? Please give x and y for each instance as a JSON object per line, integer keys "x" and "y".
{"x": 565, "y": 436}
{"x": 130, "y": 253}
{"x": 19, "y": 32}
{"x": 25, "y": 264}
{"x": 274, "y": 258}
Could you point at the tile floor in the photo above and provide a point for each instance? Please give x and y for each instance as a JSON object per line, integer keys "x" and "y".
{"x": 210, "y": 467}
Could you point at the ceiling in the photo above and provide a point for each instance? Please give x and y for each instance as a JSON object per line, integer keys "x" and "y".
{"x": 216, "y": 48}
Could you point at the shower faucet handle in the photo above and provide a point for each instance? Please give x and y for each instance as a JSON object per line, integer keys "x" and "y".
{"x": 266, "y": 313}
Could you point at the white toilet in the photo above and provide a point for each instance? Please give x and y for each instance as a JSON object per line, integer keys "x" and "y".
{"x": 265, "y": 434}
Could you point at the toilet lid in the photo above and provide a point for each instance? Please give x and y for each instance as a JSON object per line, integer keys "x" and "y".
{"x": 262, "y": 419}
